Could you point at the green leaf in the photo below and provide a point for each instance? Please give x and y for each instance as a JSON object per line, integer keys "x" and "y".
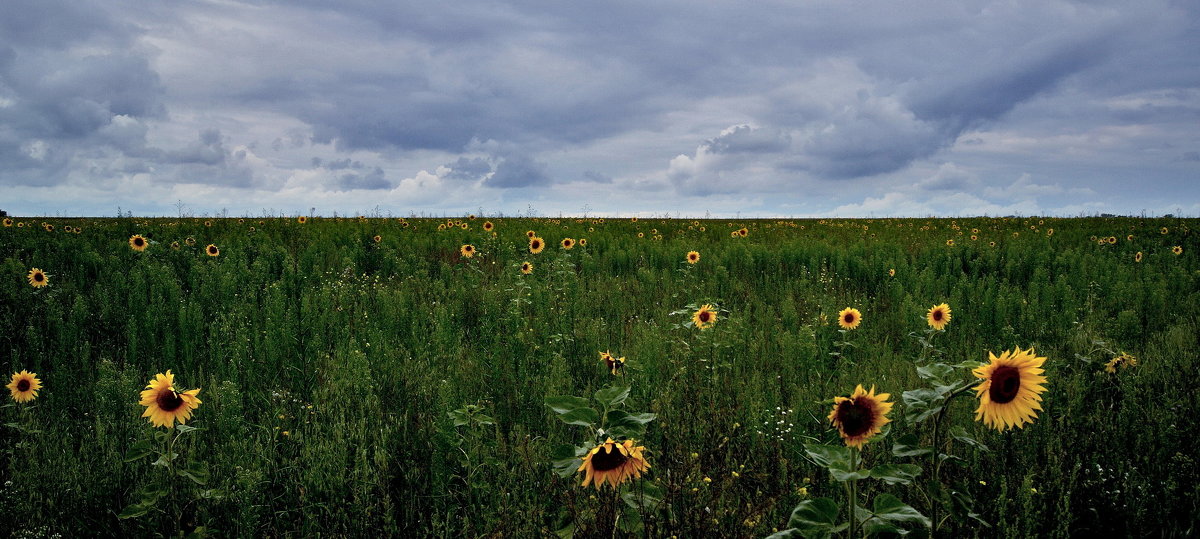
{"x": 645, "y": 495}
{"x": 891, "y": 508}
{"x": 585, "y": 417}
{"x": 936, "y": 372}
{"x": 894, "y": 474}
{"x": 790, "y": 533}
{"x": 184, "y": 429}
{"x": 163, "y": 460}
{"x": 815, "y": 518}
{"x": 612, "y": 395}
{"x": 847, "y": 475}
{"x": 139, "y": 450}
{"x": 829, "y": 455}
{"x": 921, "y": 404}
{"x": 620, "y": 418}
{"x": 566, "y": 403}
{"x": 134, "y": 510}
{"x": 196, "y": 471}
{"x": 959, "y": 433}
{"x": 631, "y": 521}
{"x": 565, "y": 459}
{"x": 909, "y": 446}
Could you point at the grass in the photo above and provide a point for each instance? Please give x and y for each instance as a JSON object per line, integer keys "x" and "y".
{"x": 330, "y": 363}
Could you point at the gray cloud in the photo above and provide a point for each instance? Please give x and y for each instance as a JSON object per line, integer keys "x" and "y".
{"x": 518, "y": 171}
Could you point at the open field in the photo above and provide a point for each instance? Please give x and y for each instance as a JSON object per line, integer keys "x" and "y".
{"x": 364, "y": 375}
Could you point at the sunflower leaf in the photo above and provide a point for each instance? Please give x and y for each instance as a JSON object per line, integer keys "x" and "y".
{"x": 814, "y": 518}
{"x": 566, "y": 403}
{"x": 840, "y": 474}
{"x": 140, "y": 450}
{"x": 565, "y": 459}
{"x": 890, "y": 509}
{"x": 893, "y": 474}
{"x": 959, "y": 433}
{"x": 790, "y": 533}
{"x": 184, "y": 429}
{"x": 829, "y": 456}
{"x": 936, "y": 372}
{"x": 584, "y": 417}
{"x": 164, "y": 460}
{"x": 612, "y": 395}
{"x": 196, "y": 471}
{"x": 909, "y": 446}
{"x": 135, "y": 510}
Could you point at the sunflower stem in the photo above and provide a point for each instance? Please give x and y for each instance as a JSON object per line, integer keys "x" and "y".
{"x": 855, "y": 462}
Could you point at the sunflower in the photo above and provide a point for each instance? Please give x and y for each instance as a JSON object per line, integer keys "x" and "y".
{"x": 467, "y": 251}
{"x": 175, "y": 245}
{"x": 164, "y": 405}
{"x": 950, "y": 242}
{"x": 1124, "y": 361}
{"x": 530, "y": 234}
{"x": 892, "y": 272}
{"x": 190, "y": 241}
{"x": 1112, "y": 240}
{"x": 208, "y": 223}
{"x": 693, "y": 257}
{"x": 849, "y": 318}
{"x": 536, "y": 245}
{"x": 302, "y": 219}
{"x": 24, "y": 386}
{"x": 743, "y": 232}
{"x": 212, "y": 250}
{"x": 1011, "y": 389}
{"x": 464, "y": 226}
{"x": 583, "y": 242}
{"x": 860, "y": 416}
{"x": 7, "y": 222}
{"x": 641, "y": 234}
{"x": 526, "y": 268}
{"x": 377, "y": 238}
{"x": 633, "y": 220}
{"x": 991, "y": 244}
{"x": 705, "y": 317}
{"x": 938, "y": 316}
{"x": 471, "y": 217}
{"x": 568, "y": 243}
{"x": 614, "y": 463}
{"x": 1178, "y": 250}
{"x": 37, "y": 278}
{"x": 138, "y": 243}
{"x": 49, "y": 227}
{"x": 488, "y": 226}
{"x": 1163, "y": 230}
{"x": 613, "y": 363}
{"x": 1137, "y": 257}
{"x": 1129, "y": 237}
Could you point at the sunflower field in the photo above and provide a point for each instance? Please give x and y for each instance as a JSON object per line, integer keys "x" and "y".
{"x": 571, "y": 377}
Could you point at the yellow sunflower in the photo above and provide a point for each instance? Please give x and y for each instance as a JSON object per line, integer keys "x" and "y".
{"x": 190, "y": 241}
{"x": 24, "y": 386}
{"x": 613, "y": 363}
{"x": 743, "y": 232}
{"x": 164, "y": 405}
{"x": 1124, "y": 361}
{"x": 467, "y": 250}
{"x": 1178, "y": 250}
{"x": 1129, "y": 237}
{"x": 892, "y": 272}
{"x": 860, "y": 416}
{"x": 849, "y": 318}
{"x": 568, "y": 243}
{"x": 7, "y": 222}
{"x": 1112, "y": 240}
{"x": 1010, "y": 393}
{"x": 37, "y": 278}
{"x": 212, "y": 250}
{"x": 208, "y": 223}
{"x": 705, "y": 317}
{"x": 950, "y": 242}
{"x": 302, "y": 219}
{"x": 526, "y": 268}
{"x": 693, "y": 257}
{"x": 1137, "y": 257}
{"x": 613, "y": 463}
{"x": 938, "y": 316}
{"x": 1163, "y": 230}
{"x": 175, "y": 245}
{"x": 138, "y": 243}
{"x": 536, "y": 245}
{"x": 530, "y": 234}
{"x": 583, "y": 242}
{"x": 377, "y": 238}
{"x": 488, "y": 226}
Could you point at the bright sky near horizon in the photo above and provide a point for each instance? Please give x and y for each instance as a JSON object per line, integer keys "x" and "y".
{"x": 774, "y": 108}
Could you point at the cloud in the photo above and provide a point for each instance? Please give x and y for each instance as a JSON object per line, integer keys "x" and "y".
{"x": 518, "y": 170}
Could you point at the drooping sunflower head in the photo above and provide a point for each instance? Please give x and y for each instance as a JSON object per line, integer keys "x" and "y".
{"x": 138, "y": 243}
{"x": 164, "y": 404}
{"x": 526, "y": 268}
{"x": 705, "y": 317}
{"x": 175, "y": 245}
{"x": 613, "y": 463}
{"x": 568, "y": 243}
{"x": 1010, "y": 393}
{"x": 1137, "y": 257}
{"x": 37, "y": 278}
{"x": 1177, "y": 250}
{"x": 1123, "y": 361}
{"x": 938, "y": 316}
{"x": 861, "y": 415}
{"x": 950, "y": 242}
{"x": 24, "y": 386}
{"x": 536, "y": 245}
{"x": 613, "y": 363}
{"x": 212, "y": 250}
{"x": 467, "y": 251}
{"x": 849, "y": 318}
{"x": 488, "y": 226}
{"x": 1164, "y": 230}
{"x": 693, "y": 257}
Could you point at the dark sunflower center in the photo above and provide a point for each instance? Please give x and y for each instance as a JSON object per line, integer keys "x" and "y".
{"x": 849, "y": 318}
{"x": 705, "y": 316}
{"x": 212, "y": 249}
{"x": 39, "y": 277}
{"x": 937, "y": 316}
{"x": 613, "y": 459}
{"x": 23, "y": 385}
{"x": 537, "y": 244}
{"x": 855, "y": 416}
{"x": 1006, "y": 382}
{"x": 139, "y": 242}
{"x": 169, "y": 401}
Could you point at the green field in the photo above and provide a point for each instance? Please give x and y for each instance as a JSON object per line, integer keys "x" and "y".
{"x": 354, "y": 386}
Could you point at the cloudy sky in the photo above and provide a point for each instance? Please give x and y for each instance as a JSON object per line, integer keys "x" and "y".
{"x": 770, "y": 108}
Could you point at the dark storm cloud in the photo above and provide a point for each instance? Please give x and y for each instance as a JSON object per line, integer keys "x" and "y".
{"x": 473, "y": 169}
{"x": 372, "y": 179}
{"x": 518, "y": 171}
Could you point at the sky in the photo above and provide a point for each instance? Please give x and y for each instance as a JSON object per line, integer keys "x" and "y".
{"x": 799, "y": 108}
